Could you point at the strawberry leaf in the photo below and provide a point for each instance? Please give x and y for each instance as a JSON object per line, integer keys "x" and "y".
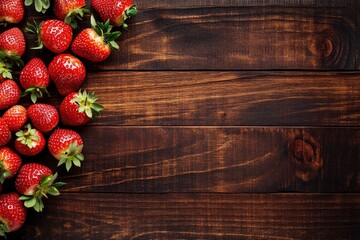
{"x": 3, "y": 229}
{"x": 28, "y": 2}
{"x": 30, "y": 203}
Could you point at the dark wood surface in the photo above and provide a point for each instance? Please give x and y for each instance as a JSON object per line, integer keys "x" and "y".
{"x": 224, "y": 119}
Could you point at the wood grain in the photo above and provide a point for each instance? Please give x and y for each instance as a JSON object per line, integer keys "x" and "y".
{"x": 232, "y": 35}
{"x": 226, "y": 98}
{"x": 206, "y": 159}
{"x": 196, "y": 216}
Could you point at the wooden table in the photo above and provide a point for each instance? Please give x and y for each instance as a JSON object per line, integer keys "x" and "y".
{"x": 224, "y": 119}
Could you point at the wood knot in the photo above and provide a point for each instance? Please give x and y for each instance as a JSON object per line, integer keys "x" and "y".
{"x": 304, "y": 155}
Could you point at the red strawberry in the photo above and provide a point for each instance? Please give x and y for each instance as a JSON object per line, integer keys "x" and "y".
{"x": 54, "y": 34}
{"x": 34, "y": 78}
{"x": 15, "y": 117}
{"x": 9, "y": 94}
{"x": 5, "y": 133}
{"x": 67, "y": 72}
{"x": 30, "y": 141}
{"x": 115, "y": 10}
{"x": 66, "y": 146}
{"x": 44, "y": 117}
{"x": 10, "y": 163}
{"x": 12, "y": 213}
{"x": 34, "y": 181}
{"x": 11, "y": 11}
{"x": 95, "y": 43}
{"x": 12, "y": 42}
{"x": 69, "y": 10}
{"x": 40, "y": 5}
{"x": 78, "y": 108}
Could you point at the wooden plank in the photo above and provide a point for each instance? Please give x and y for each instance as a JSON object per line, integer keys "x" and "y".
{"x": 196, "y": 216}
{"x": 226, "y": 98}
{"x": 207, "y": 159}
{"x": 232, "y": 35}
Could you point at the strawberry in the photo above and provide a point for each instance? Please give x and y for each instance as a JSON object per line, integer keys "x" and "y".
{"x": 11, "y": 11}
{"x": 34, "y": 181}
{"x": 67, "y": 72}
{"x": 70, "y": 10}
{"x": 30, "y": 141}
{"x": 54, "y": 34}
{"x": 5, "y": 133}
{"x": 95, "y": 44}
{"x": 115, "y": 10}
{"x": 40, "y": 5}
{"x": 12, "y": 42}
{"x": 12, "y": 213}
{"x": 10, "y": 163}
{"x": 9, "y": 94}
{"x": 66, "y": 146}
{"x": 34, "y": 78}
{"x": 78, "y": 108}
{"x": 43, "y": 116}
{"x": 15, "y": 117}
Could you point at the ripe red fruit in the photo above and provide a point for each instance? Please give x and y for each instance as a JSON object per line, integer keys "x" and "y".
{"x": 15, "y": 117}
{"x": 9, "y": 94}
{"x": 54, "y": 34}
{"x": 30, "y": 141}
{"x": 78, "y": 108}
{"x": 43, "y": 116}
{"x": 115, "y": 10}
{"x": 34, "y": 78}
{"x": 95, "y": 43}
{"x": 67, "y": 72}
{"x": 70, "y": 10}
{"x": 11, "y": 11}
{"x": 34, "y": 181}
{"x": 12, "y": 42}
{"x": 12, "y": 213}
{"x": 10, "y": 163}
{"x": 5, "y": 133}
{"x": 66, "y": 146}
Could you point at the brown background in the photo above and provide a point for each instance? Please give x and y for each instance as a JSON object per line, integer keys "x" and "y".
{"x": 224, "y": 120}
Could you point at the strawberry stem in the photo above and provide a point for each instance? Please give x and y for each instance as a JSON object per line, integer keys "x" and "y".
{"x": 3, "y": 228}
{"x": 28, "y": 137}
{"x": 35, "y": 93}
{"x": 4, "y": 173}
{"x": 47, "y": 186}
{"x": 104, "y": 30}
{"x": 72, "y": 156}
{"x": 74, "y": 15}
{"x": 40, "y": 5}
{"x": 88, "y": 103}
{"x": 35, "y": 29}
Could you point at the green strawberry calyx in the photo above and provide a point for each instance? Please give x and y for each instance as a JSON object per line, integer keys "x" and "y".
{"x": 35, "y": 29}
{"x": 28, "y": 137}
{"x": 8, "y": 60}
{"x": 129, "y": 12}
{"x": 72, "y": 155}
{"x": 47, "y": 186}
{"x": 40, "y": 5}
{"x": 4, "y": 173}
{"x": 87, "y": 103}
{"x": 5, "y": 69}
{"x": 74, "y": 15}
{"x": 3, "y": 228}
{"x": 104, "y": 31}
{"x": 35, "y": 93}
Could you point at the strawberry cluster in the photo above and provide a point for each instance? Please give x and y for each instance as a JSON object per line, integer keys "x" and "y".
{"x": 27, "y": 131}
